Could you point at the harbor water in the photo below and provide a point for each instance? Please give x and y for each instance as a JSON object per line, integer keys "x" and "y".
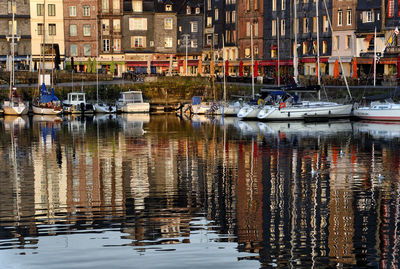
{"x": 160, "y": 191}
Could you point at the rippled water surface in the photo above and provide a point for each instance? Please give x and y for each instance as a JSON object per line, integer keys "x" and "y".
{"x": 140, "y": 191}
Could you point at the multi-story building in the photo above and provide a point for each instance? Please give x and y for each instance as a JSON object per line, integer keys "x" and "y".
{"x": 190, "y": 36}
{"x": 81, "y": 32}
{"x": 369, "y": 18}
{"x": 47, "y": 30}
{"x": 22, "y": 32}
{"x": 112, "y": 59}
{"x": 278, "y": 24}
{"x": 250, "y": 22}
{"x": 231, "y": 36}
{"x": 344, "y": 25}
{"x": 391, "y": 21}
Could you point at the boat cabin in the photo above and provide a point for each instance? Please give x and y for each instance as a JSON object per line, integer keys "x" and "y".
{"x": 75, "y": 98}
{"x": 131, "y": 97}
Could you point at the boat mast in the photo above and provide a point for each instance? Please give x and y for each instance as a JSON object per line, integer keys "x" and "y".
{"x": 318, "y": 67}
{"x": 295, "y": 56}
{"x": 375, "y": 58}
{"x": 43, "y": 40}
{"x": 278, "y": 34}
{"x": 252, "y": 61}
{"x": 97, "y": 58}
{"x": 12, "y": 75}
{"x": 223, "y": 63}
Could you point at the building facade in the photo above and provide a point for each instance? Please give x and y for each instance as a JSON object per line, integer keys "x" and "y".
{"x": 22, "y": 34}
{"x": 81, "y": 32}
{"x": 47, "y": 30}
{"x": 344, "y": 24}
{"x": 112, "y": 59}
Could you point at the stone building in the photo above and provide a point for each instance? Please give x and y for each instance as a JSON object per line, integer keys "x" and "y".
{"x": 47, "y": 27}
{"x": 111, "y": 57}
{"x": 344, "y": 24}
{"x": 81, "y": 32}
{"x": 22, "y": 31}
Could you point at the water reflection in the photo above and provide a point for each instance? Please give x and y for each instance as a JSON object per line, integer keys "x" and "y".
{"x": 216, "y": 190}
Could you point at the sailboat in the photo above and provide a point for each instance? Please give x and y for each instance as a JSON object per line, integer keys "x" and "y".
{"x": 15, "y": 105}
{"x": 291, "y": 108}
{"x": 47, "y": 104}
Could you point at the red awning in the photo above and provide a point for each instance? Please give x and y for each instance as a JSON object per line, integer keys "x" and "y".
{"x": 160, "y": 63}
{"x": 136, "y": 63}
{"x": 314, "y": 60}
{"x": 190, "y": 62}
{"x": 275, "y": 62}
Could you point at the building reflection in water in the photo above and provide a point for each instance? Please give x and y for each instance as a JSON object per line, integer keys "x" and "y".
{"x": 289, "y": 194}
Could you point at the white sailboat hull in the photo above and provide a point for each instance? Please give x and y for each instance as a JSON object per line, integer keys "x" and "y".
{"x": 303, "y": 112}
{"x": 203, "y": 108}
{"x": 228, "y": 110}
{"x": 98, "y": 108}
{"x": 249, "y": 112}
{"x": 45, "y": 111}
{"x": 384, "y": 114}
{"x": 18, "y": 109}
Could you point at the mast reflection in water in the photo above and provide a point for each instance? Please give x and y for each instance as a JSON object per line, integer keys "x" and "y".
{"x": 160, "y": 191}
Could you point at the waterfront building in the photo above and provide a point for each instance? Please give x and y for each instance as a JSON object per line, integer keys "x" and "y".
{"x": 369, "y": 17}
{"x": 22, "y": 31}
{"x": 344, "y": 25}
{"x": 250, "y": 16}
{"x": 81, "y": 32}
{"x": 47, "y": 30}
{"x": 278, "y": 24}
{"x": 391, "y": 20}
{"x": 112, "y": 59}
{"x": 190, "y": 36}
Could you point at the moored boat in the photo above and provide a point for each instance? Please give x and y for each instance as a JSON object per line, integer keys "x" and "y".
{"x": 15, "y": 105}
{"x": 47, "y": 104}
{"x": 76, "y": 104}
{"x": 388, "y": 111}
{"x": 132, "y": 102}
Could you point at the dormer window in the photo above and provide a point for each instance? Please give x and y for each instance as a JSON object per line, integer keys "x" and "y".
{"x": 188, "y": 10}
{"x": 197, "y": 10}
{"x": 168, "y": 7}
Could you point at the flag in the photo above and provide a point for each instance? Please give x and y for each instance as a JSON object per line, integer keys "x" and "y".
{"x": 396, "y": 31}
{"x": 390, "y": 40}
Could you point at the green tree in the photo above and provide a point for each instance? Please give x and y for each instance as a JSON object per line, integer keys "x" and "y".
{"x": 94, "y": 66}
{"x": 89, "y": 66}
{"x": 112, "y": 68}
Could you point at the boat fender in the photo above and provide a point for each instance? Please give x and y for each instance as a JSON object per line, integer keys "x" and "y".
{"x": 282, "y": 105}
{"x": 260, "y": 101}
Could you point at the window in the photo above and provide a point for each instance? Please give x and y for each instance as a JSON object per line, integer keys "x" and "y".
{"x": 390, "y": 8}
{"x": 72, "y": 11}
{"x": 367, "y": 16}
{"x": 325, "y": 23}
{"x": 52, "y": 29}
{"x": 315, "y": 24}
{"x": 349, "y": 17}
{"x": 248, "y": 28}
{"x": 324, "y": 47}
{"x": 168, "y": 22}
{"x": 52, "y": 9}
{"x": 105, "y": 6}
{"x": 117, "y": 25}
{"x": 193, "y": 43}
{"x": 138, "y": 41}
{"x": 247, "y": 52}
{"x": 73, "y": 30}
{"x": 116, "y": 6}
{"x": 194, "y": 26}
{"x": 86, "y": 11}
{"x": 209, "y": 21}
{"x": 137, "y": 6}
{"x": 106, "y": 44}
{"x": 168, "y": 42}
{"x": 87, "y": 50}
{"x": 105, "y": 26}
{"x": 233, "y": 16}
{"x": 337, "y": 41}
{"x": 283, "y": 4}
{"x": 40, "y": 28}
{"x": 348, "y": 42}
{"x": 305, "y": 25}
{"x": 197, "y": 10}
{"x": 137, "y": 24}
{"x": 86, "y": 30}
{"x": 216, "y": 14}
{"x": 340, "y": 18}
{"x": 117, "y": 45}
{"x": 209, "y": 7}
{"x": 40, "y": 9}
{"x": 273, "y": 28}
{"x": 296, "y": 27}
{"x": 168, "y": 7}
{"x": 255, "y": 2}
{"x": 10, "y": 6}
{"x": 273, "y": 5}
{"x": 188, "y": 10}
{"x": 305, "y": 48}
{"x": 255, "y": 29}
{"x": 282, "y": 27}
{"x": 74, "y": 50}
{"x": 227, "y": 16}
{"x": 10, "y": 26}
